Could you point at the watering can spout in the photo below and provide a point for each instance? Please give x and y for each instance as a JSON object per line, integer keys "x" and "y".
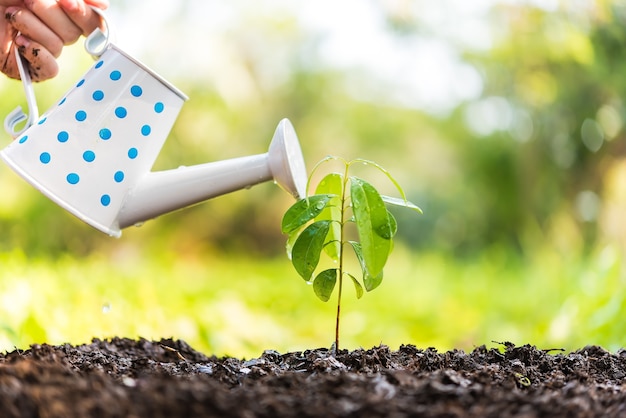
{"x": 166, "y": 191}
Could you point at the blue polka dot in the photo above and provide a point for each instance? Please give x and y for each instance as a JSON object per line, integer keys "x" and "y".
{"x": 42, "y": 121}
{"x": 73, "y": 178}
{"x": 132, "y": 153}
{"x": 80, "y": 83}
{"x": 81, "y": 115}
{"x": 62, "y": 101}
{"x": 89, "y": 156}
{"x": 44, "y": 157}
{"x": 158, "y": 107}
{"x": 98, "y": 95}
{"x": 136, "y": 91}
{"x": 115, "y": 75}
{"x": 145, "y": 130}
{"x": 121, "y": 112}
{"x": 23, "y": 139}
{"x": 99, "y": 64}
{"x": 105, "y": 200}
{"x": 119, "y": 177}
{"x": 63, "y": 136}
{"x": 105, "y": 133}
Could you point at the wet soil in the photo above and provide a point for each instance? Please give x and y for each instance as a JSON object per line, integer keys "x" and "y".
{"x": 167, "y": 378}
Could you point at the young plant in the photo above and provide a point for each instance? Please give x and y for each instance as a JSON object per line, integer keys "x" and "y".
{"x": 319, "y": 224}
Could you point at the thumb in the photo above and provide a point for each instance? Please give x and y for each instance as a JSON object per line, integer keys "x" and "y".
{"x": 78, "y": 6}
{"x": 100, "y": 4}
{"x": 72, "y": 6}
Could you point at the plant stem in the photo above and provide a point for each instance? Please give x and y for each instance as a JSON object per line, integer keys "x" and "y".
{"x": 341, "y": 245}
{"x": 338, "y": 312}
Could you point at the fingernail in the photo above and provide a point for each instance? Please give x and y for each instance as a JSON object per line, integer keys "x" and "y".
{"x": 9, "y": 13}
{"x": 22, "y": 41}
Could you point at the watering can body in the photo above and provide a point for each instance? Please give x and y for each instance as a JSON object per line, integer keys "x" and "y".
{"x": 98, "y": 141}
{"x": 92, "y": 152}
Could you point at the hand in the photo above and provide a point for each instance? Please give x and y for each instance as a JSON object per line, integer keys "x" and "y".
{"x": 40, "y": 29}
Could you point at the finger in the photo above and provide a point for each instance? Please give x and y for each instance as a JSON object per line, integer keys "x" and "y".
{"x": 41, "y": 63}
{"x": 51, "y": 14}
{"x": 83, "y": 17}
{"x": 7, "y": 57}
{"x": 24, "y": 21}
{"x": 9, "y": 67}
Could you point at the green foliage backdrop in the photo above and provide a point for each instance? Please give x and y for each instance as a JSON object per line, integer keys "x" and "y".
{"x": 522, "y": 186}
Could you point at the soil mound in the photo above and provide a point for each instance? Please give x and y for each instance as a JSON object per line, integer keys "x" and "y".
{"x": 140, "y": 378}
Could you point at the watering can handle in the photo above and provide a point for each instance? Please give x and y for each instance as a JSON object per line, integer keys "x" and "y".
{"x": 95, "y": 44}
{"x": 98, "y": 41}
{"x": 18, "y": 115}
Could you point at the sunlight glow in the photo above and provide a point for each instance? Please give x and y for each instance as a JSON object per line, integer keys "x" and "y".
{"x": 204, "y": 39}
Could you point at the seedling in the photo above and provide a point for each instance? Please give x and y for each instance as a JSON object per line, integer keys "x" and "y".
{"x": 320, "y": 224}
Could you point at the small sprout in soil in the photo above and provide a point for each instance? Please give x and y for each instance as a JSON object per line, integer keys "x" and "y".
{"x": 319, "y": 224}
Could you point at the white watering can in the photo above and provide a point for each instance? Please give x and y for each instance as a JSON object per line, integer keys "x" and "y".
{"x": 92, "y": 152}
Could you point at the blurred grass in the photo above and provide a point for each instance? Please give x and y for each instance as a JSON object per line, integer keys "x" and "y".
{"x": 239, "y": 306}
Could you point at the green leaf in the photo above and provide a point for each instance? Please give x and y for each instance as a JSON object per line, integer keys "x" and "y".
{"x": 291, "y": 240}
{"x": 373, "y": 225}
{"x": 332, "y": 184}
{"x": 307, "y": 249}
{"x": 401, "y": 202}
{"x": 357, "y": 286}
{"x": 303, "y": 211}
{"x": 389, "y": 176}
{"x": 328, "y": 158}
{"x": 359, "y": 254}
{"x": 324, "y": 284}
{"x": 393, "y": 224}
{"x": 370, "y": 282}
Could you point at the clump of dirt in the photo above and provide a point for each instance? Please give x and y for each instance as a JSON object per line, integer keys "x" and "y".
{"x": 140, "y": 378}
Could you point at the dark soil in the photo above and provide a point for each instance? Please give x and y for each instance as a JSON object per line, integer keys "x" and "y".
{"x": 128, "y": 378}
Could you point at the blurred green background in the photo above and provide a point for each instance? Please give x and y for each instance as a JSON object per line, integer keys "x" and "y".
{"x": 503, "y": 120}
